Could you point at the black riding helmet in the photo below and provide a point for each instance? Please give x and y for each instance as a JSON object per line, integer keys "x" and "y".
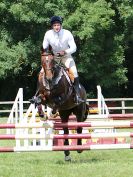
{"x": 55, "y": 19}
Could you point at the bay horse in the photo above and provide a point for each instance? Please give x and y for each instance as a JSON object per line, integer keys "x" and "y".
{"x": 55, "y": 90}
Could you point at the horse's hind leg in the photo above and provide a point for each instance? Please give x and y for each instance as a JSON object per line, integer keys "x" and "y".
{"x": 80, "y": 113}
{"x": 64, "y": 117}
{"x": 79, "y": 141}
{"x": 66, "y": 143}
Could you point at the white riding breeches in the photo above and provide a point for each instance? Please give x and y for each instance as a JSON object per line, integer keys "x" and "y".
{"x": 69, "y": 62}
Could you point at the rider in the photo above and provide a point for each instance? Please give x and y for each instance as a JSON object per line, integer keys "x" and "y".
{"x": 63, "y": 45}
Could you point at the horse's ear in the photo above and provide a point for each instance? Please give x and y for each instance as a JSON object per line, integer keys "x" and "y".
{"x": 42, "y": 50}
{"x": 47, "y": 50}
{"x": 50, "y": 50}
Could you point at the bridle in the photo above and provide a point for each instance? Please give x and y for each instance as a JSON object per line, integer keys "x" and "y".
{"x": 46, "y": 61}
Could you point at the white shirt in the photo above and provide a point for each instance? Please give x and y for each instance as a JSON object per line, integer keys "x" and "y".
{"x": 61, "y": 41}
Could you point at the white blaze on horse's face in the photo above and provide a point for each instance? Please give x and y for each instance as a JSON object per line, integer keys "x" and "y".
{"x": 46, "y": 59}
{"x": 49, "y": 74}
{"x": 47, "y": 62}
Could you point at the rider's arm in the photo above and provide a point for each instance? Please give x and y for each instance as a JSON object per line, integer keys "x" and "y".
{"x": 45, "y": 41}
{"x": 72, "y": 46}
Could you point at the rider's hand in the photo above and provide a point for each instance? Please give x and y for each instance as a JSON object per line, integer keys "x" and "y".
{"x": 61, "y": 53}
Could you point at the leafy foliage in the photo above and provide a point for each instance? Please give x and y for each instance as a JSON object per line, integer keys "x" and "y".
{"x": 102, "y": 30}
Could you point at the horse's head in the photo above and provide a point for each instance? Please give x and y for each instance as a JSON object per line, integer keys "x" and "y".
{"x": 47, "y": 60}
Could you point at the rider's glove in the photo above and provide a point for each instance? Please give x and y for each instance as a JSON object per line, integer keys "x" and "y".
{"x": 61, "y": 53}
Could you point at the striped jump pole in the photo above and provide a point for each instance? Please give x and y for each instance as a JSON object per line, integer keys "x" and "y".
{"x": 68, "y": 136}
{"x": 120, "y": 116}
{"x": 71, "y": 148}
{"x": 27, "y": 125}
{"x": 50, "y": 124}
{"x": 110, "y": 116}
{"x": 96, "y": 124}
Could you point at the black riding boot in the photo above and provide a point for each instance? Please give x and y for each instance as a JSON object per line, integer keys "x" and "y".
{"x": 77, "y": 90}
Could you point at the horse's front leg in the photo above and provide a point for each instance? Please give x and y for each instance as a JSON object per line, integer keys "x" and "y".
{"x": 79, "y": 140}
{"x": 40, "y": 111}
{"x": 38, "y": 101}
{"x": 66, "y": 143}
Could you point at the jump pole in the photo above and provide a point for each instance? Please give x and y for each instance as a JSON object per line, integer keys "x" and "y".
{"x": 69, "y": 136}
{"x": 110, "y": 116}
{"x": 63, "y": 148}
{"x": 120, "y": 116}
{"x": 94, "y": 124}
{"x": 27, "y": 125}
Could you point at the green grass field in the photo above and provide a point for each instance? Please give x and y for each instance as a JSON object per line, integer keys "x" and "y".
{"x": 96, "y": 163}
{"x": 51, "y": 164}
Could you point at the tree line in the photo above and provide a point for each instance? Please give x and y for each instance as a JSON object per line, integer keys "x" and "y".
{"x": 103, "y": 33}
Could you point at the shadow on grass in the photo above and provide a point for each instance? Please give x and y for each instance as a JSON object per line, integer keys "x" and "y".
{"x": 92, "y": 160}
{"x": 79, "y": 161}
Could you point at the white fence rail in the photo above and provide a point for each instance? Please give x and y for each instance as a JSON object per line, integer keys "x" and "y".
{"x": 111, "y": 103}
{"x": 125, "y": 104}
{"x": 10, "y": 104}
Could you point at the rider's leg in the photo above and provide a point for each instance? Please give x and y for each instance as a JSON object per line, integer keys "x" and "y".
{"x": 77, "y": 86}
{"x": 69, "y": 63}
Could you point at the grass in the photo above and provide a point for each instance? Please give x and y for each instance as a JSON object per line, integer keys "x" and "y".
{"x": 51, "y": 164}
{"x": 105, "y": 163}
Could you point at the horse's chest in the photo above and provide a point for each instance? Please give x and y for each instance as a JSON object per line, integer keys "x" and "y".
{"x": 56, "y": 98}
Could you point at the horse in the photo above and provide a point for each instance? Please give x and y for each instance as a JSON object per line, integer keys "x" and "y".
{"x": 55, "y": 89}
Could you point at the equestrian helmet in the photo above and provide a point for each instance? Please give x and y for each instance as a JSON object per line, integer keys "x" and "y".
{"x": 55, "y": 19}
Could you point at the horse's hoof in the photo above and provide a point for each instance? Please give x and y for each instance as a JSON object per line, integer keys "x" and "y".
{"x": 32, "y": 100}
{"x": 41, "y": 115}
{"x": 79, "y": 151}
{"x": 67, "y": 158}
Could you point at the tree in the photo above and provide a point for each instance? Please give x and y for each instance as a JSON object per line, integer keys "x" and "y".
{"x": 102, "y": 30}
{"x": 126, "y": 14}
{"x": 101, "y": 46}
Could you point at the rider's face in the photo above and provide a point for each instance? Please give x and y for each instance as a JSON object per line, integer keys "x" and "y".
{"x": 56, "y": 27}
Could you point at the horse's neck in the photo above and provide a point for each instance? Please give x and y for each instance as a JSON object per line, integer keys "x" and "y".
{"x": 61, "y": 74}
{"x": 57, "y": 75}
{"x": 64, "y": 83}
{"x": 58, "y": 71}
